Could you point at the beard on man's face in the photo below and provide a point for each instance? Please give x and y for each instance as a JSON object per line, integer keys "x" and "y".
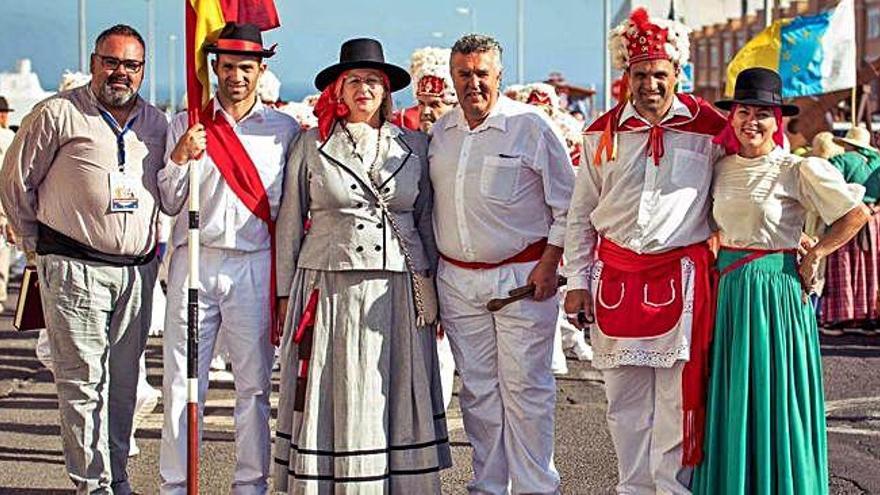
{"x": 117, "y": 90}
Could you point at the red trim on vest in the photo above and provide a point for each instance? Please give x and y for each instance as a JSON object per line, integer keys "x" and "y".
{"x": 240, "y": 173}
{"x": 531, "y": 253}
{"x": 695, "y": 376}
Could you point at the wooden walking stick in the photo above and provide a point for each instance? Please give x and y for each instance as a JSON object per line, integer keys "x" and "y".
{"x": 517, "y": 294}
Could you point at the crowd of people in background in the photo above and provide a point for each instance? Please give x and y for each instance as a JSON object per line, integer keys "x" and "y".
{"x": 354, "y": 247}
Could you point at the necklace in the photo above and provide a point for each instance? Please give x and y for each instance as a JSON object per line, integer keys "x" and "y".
{"x": 354, "y": 147}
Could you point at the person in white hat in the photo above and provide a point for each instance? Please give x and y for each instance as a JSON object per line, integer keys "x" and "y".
{"x": 433, "y": 86}
{"x": 545, "y": 97}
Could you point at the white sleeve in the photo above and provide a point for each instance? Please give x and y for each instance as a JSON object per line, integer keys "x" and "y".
{"x": 580, "y": 235}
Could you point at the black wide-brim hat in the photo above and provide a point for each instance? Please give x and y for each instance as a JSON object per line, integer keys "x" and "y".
{"x": 758, "y": 87}
{"x": 4, "y": 105}
{"x": 240, "y": 39}
{"x": 363, "y": 53}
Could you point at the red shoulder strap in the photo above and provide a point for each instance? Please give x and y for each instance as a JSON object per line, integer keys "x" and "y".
{"x": 240, "y": 173}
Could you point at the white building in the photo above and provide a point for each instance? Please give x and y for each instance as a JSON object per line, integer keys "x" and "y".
{"x": 22, "y": 90}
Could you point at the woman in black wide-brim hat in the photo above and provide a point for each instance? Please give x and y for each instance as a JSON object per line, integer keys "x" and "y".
{"x": 765, "y": 417}
{"x": 361, "y": 409}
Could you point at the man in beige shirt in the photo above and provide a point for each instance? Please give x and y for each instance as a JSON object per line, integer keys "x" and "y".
{"x": 79, "y": 184}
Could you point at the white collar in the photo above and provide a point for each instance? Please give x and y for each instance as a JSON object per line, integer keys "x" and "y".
{"x": 496, "y": 119}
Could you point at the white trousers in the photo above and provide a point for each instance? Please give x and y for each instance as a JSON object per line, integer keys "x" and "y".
{"x": 645, "y": 419}
{"x": 508, "y": 393}
{"x": 233, "y": 303}
{"x": 447, "y": 369}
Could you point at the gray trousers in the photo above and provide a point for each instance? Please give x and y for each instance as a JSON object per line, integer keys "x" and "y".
{"x": 97, "y": 318}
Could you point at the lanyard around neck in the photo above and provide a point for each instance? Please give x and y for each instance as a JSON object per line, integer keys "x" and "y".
{"x": 120, "y": 136}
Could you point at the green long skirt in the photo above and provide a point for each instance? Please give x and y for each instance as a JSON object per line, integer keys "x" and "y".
{"x": 765, "y": 418}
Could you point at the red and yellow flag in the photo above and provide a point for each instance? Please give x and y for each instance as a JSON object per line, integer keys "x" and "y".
{"x": 204, "y": 20}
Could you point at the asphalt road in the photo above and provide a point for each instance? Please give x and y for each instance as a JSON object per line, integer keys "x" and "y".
{"x": 31, "y": 459}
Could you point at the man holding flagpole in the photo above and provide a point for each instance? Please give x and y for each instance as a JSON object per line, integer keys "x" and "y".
{"x": 240, "y": 147}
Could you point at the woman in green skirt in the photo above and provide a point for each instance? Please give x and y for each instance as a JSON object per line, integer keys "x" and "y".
{"x": 765, "y": 419}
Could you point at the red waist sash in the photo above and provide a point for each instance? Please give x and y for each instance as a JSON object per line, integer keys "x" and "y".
{"x": 696, "y": 371}
{"x": 531, "y": 253}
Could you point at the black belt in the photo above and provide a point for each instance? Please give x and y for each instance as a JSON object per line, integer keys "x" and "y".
{"x": 50, "y": 241}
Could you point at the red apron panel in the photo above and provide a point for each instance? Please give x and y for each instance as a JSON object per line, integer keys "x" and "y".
{"x": 644, "y": 304}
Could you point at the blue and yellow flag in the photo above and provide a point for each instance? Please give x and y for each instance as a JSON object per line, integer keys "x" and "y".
{"x": 813, "y": 54}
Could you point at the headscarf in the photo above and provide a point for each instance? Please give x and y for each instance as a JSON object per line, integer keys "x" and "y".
{"x": 727, "y": 137}
{"x": 330, "y": 106}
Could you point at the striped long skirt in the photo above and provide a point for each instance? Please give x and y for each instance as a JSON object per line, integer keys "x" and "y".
{"x": 361, "y": 409}
{"x": 765, "y": 418}
{"x": 853, "y": 278}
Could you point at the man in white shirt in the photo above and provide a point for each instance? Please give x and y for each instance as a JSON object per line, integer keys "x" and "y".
{"x": 637, "y": 257}
{"x": 236, "y": 254}
{"x": 502, "y": 183}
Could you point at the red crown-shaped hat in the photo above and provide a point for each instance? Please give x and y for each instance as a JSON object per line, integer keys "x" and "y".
{"x": 644, "y": 39}
{"x": 431, "y": 86}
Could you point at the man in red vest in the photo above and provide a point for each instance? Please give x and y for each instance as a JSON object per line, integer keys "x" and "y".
{"x": 240, "y": 147}
{"x": 637, "y": 257}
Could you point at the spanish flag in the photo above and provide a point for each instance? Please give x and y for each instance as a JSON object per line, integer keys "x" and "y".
{"x": 813, "y": 54}
{"x": 204, "y": 20}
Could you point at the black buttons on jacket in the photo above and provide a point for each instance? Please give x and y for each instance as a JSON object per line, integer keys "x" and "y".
{"x": 378, "y": 248}
{"x": 360, "y": 226}
{"x": 359, "y": 249}
{"x": 354, "y": 187}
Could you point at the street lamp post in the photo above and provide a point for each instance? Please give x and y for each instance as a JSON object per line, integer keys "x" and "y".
{"x": 520, "y": 41}
{"x": 471, "y": 12}
{"x": 151, "y": 48}
{"x": 606, "y": 61}
{"x": 83, "y": 57}
{"x": 172, "y": 76}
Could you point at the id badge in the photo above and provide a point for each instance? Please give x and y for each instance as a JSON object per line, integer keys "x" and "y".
{"x": 122, "y": 192}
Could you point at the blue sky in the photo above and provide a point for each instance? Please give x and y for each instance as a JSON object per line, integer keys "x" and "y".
{"x": 561, "y": 35}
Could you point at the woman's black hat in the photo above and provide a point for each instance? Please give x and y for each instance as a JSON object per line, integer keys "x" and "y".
{"x": 363, "y": 53}
{"x": 758, "y": 87}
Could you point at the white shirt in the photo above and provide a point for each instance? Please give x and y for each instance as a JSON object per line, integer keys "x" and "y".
{"x": 636, "y": 204}
{"x": 6, "y": 137}
{"x": 499, "y": 187}
{"x": 225, "y": 222}
{"x": 762, "y": 202}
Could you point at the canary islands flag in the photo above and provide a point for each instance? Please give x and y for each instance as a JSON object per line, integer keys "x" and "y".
{"x": 204, "y": 20}
{"x": 813, "y": 54}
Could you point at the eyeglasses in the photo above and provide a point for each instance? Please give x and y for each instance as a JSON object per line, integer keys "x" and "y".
{"x": 372, "y": 82}
{"x": 113, "y": 63}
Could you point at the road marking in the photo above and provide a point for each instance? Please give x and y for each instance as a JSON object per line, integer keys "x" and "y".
{"x": 835, "y": 405}
{"x": 848, "y": 430}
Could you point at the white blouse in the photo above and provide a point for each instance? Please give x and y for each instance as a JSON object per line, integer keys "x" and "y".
{"x": 761, "y": 203}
